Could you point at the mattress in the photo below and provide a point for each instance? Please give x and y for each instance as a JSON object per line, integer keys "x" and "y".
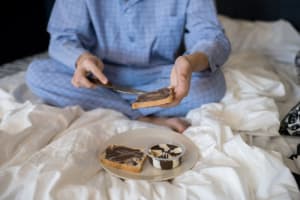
{"x": 51, "y": 153}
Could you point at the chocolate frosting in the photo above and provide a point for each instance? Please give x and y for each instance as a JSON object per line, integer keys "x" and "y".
{"x": 124, "y": 155}
{"x": 155, "y": 95}
{"x": 165, "y": 156}
{"x": 169, "y": 151}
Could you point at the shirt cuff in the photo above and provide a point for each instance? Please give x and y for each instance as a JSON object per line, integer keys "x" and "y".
{"x": 209, "y": 49}
{"x": 72, "y": 55}
{"x": 66, "y": 54}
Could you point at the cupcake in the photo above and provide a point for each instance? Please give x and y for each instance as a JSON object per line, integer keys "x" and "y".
{"x": 165, "y": 156}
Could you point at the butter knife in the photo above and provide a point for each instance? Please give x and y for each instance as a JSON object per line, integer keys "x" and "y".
{"x": 116, "y": 88}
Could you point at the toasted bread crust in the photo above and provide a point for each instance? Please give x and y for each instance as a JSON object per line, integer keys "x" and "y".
{"x": 123, "y": 166}
{"x": 151, "y": 103}
{"x": 145, "y": 104}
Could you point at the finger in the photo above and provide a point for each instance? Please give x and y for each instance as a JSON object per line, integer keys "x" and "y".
{"x": 75, "y": 82}
{"x": 79, "y": 79}
{"x": 175, "y": 102}
{"x": 98, "y": 71}
{"x": 182, "y": 88}
{"x": 170, "y": 105}
{"x": 180, "y": 92}
{"x": 100, "y": 64}
{"x": 99, "y": 75}
{"x": 84, "y": 82}
{"x": 178, "y": 96}
{"x": 95, "y": 66}
{"x": 75, "y": 79}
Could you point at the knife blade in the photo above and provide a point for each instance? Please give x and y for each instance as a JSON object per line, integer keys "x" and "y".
{"x": 116, "y": 88}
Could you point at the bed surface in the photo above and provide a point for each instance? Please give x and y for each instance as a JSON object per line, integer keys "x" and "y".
{"x": 51, "y": 153}
{"x": 11, "y": 68}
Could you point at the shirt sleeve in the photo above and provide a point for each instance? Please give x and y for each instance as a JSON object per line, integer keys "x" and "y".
{"x": 205, "y": 34}
{"x": 70, "y": 31}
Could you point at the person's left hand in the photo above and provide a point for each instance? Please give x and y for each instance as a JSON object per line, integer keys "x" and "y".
{"x": 180, "y": 79}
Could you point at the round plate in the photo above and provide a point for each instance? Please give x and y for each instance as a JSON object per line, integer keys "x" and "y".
{"x": 142, "y": 138}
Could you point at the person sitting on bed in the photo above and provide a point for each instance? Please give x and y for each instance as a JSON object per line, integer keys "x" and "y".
{"x": 143, "y": 44}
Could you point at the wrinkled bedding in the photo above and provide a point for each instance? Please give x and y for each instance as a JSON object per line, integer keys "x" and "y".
{"x": 51, "y": 153}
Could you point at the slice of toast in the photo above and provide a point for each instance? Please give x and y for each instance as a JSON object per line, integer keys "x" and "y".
{"x": 124, "y": 158}
{"x": 155, "y": 98}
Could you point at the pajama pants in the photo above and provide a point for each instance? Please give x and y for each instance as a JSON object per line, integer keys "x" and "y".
{"x": 51, "y": 81}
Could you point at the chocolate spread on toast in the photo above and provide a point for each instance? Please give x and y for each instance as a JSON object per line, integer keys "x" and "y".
{"x": 155, "y": 95}
{"x": 124, "y": 155}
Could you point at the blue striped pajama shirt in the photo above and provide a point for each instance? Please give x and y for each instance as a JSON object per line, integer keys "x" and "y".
{"x": 138, "y": 41}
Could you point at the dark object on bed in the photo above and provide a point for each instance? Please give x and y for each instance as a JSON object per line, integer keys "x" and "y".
{"x": 297, "y": 178}
{"x": 295, "y": 156}
{"x": 23, "y": 28}
{"x": 267, "y": 10}
{"x": 297, "y": 66}
{"x": 290, "y": 124}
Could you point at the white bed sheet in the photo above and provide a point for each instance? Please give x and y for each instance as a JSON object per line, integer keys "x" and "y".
{"x": 51, "y": 153}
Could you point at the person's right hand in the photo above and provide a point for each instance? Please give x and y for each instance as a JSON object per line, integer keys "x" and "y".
{"x": 88, "y": 63}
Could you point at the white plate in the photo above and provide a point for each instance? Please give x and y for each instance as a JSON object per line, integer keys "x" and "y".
{"x": 142, "y": 138}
